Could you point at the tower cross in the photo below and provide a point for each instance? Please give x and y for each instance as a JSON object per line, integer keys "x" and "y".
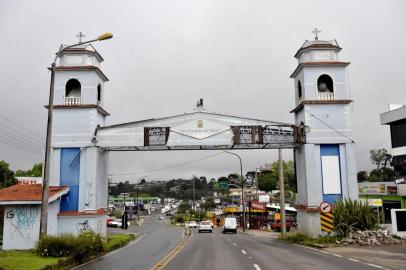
{"x": 80, "y": 36}
{"x": 316, "y": 33}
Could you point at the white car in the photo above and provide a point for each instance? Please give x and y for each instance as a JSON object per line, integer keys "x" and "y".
{"x": 205, "y": 226}
{"x": 193, "y": 224}
{"x": 230, "y": 225}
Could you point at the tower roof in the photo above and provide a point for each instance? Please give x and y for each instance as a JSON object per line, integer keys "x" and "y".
{"x": 318, "y": 45}
{"x": 82, "y": 49}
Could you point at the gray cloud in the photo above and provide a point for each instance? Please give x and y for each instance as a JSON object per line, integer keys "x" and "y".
{"x": 237, "y": 55}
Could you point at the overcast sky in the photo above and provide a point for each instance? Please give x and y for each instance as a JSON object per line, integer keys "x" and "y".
{"x": 237, "y": 55}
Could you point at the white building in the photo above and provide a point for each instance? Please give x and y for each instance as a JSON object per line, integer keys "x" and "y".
{"x": 22, "y": 212}
{"x": 396, "y": 119}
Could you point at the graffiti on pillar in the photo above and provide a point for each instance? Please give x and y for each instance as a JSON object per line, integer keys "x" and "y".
{"x": 89, "y": 193}
{"x": 26, "y": 217}
{"x": 10, "y": 214}
{"x": 83, "y": 226}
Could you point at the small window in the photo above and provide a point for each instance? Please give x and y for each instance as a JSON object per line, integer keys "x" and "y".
{"x": 299, "y": 90}
{"x": 73, "y": 88}
{"x": 99, "y": 93}
{"x": 325, "y": 84}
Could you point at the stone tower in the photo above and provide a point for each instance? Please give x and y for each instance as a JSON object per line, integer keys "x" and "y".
{"x": 325, "y": 165}
{"x": 75, "y": 161}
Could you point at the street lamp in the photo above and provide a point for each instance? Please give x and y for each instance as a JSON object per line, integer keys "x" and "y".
{"x": 45, "y": 185}
{"x": 242, "y": 189}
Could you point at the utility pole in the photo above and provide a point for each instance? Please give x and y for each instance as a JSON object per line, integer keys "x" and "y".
{"x": 282, "y": 194}
{"x": 138, "y": 207}
{"x": 256, "y": 183}
{"x": 193, "y": 190}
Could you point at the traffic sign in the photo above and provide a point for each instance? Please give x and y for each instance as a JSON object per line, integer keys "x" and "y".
{"x": 325, "y": 207}
{"x": 326, "y": 217}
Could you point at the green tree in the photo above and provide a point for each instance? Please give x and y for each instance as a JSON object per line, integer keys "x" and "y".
{"x": 362, "y": 176}
{"x": 6, "y": 175}
{"x": 269, "y": 180}
{"x": 35, "y": 171}
{"x": 380, "y": 158}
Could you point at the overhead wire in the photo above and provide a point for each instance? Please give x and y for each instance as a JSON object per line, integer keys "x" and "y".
{"x": 24, "y": 128}
{"x": 170, "y": 166}
{"x": 20, "y": 140}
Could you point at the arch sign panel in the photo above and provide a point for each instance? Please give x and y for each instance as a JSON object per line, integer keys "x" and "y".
{"x": 198, "y": 131}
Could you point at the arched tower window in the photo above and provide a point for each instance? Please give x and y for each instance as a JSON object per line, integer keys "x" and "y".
{"x": 299, "y": 90}
{"x": 73, "y": 89}
{"x": 325, "y": 84}
{"x": 99, "y": 93}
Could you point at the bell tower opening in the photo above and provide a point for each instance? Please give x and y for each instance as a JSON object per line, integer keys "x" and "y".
{"x": 325, "y": 87}
{"x": 299, "y": 90}
{"x": 73, "y": 92}
{"x": 99, "y": 93}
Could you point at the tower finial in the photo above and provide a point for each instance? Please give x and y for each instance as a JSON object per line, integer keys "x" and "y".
{"x": 80, "y": 36}
{"x": 316, "y": 33}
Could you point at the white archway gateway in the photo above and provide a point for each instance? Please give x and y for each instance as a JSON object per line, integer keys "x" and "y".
{"x": 324, "y": 156}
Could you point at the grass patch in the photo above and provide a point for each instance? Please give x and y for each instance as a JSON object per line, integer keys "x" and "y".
{"x": 25, "y": 260}
{"x": 308, "y": 241}
{"x": 116, "y": 241}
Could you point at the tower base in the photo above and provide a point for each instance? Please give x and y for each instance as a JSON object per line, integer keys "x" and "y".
{"x": 309, "y": 223}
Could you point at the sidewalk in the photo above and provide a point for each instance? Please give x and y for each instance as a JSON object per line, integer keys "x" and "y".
{"x": 392, "y": 256}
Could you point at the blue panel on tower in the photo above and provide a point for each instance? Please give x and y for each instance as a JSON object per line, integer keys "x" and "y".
{"x": 70, "y": 173}
{"x": 69, "y": 201}
{"x": 331, "y": 172}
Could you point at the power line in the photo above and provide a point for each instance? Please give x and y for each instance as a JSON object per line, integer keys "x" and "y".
{"x": 26, "y": 129}
{"x": 21, "y": 134}
{"x": 20, "y": 141}
{"x": 171, "y": 166}
{"x": 21, "y": 147}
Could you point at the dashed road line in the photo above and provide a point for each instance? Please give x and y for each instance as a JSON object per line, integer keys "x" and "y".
{"x": 243, "y": 252}
{"x": 249, "y": 257}
{"x": 256, "y": 266}
{"x": 235, "y": 244}
{"x": 340, "y": 256}
{"x": 377, "y": 266}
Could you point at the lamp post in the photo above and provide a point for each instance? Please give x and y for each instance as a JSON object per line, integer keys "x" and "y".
{"x": 45, "y": 185}
{"x": 242, "y": 189}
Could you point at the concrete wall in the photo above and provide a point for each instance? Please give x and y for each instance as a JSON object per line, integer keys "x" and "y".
{"x": 22, "y": 222}
{"x": 77, "y": 224}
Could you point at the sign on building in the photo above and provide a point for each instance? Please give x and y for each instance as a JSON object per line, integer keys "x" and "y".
{"x": 29, "y": 180}
{"x": 265, "y": 198}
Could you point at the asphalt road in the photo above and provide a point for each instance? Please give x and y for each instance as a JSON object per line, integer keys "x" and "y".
{"x": 156, "y": 240}
{"x": 213, "y": 251}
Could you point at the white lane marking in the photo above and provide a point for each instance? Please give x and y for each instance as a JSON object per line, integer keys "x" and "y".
{"x": 228, "y": 239}
{"x": 249, "y": 257}
{"x": 315, "y": 249}
{"x": 377, "y": 266}
{"x": 325, "y": 252}
{"x": 257, "y": 266}
{"x": 243, "y": 252}
{"x": 354, "y": 260}
{"x": 339, "y": 256}
{"x": 235, "y": 244}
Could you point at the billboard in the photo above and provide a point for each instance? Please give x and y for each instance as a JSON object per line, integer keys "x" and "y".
{"x": 265, "y": 198}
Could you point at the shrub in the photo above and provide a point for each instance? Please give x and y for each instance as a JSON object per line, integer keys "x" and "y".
{"x": 56, "y": 246}
{"x": 352, "y": 215}
{"x": 180, "y": 219}
{"x": 88, "y": 243}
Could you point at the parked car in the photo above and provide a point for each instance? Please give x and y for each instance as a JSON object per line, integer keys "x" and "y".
{"x": 276, "y": 225}
{"x": 116, "y": 223}
{"x": 193, "y": 224}
{"x": 205, "y": 226}
{"x": 109, "y": 219}
{"x": 230, "y": 225}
